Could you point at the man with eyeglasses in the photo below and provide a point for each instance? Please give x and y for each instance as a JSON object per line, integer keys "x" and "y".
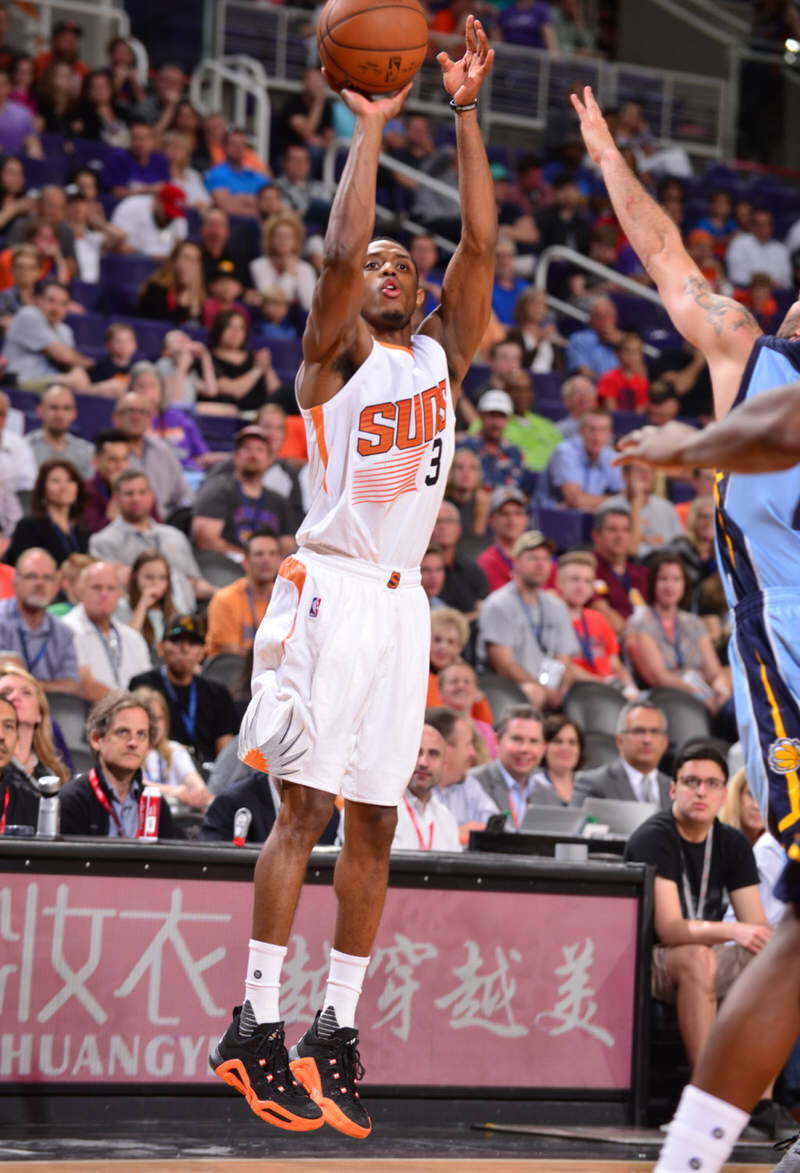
{"x": 105, "y": 801}
{"x": 698, "y": 860}
{"x": 634, "y": 776}
{"x": 151, "y": 454}
{"x": 44, "y": 643}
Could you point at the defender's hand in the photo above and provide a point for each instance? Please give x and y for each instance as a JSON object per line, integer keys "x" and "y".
{"x": 660, "y": 448}
{"x": 462, "y": 79}
{"x": 594, "y": 128}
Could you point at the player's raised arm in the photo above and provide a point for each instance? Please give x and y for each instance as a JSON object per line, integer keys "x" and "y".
{"x": 334, "y": 324}
{"x": 761, "y": 435}
{"x": 719, "y": 326}
{"x": 459, "y": 322}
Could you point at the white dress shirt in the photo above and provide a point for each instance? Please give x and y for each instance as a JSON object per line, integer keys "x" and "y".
{"x": 425, "y": 826}
{"x": 17, "y": 462}
{"x": 112, "y": 660}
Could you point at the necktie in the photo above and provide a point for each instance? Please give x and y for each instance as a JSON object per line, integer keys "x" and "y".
{"x": 649, "y": 789}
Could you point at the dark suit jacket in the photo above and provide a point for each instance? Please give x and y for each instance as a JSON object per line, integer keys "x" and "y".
{"x": 493, "y": 782}
{"x": 253, "y": 792}
{"x": 611, "y": 781}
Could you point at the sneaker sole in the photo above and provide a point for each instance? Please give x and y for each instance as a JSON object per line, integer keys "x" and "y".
{"x": 233, "y": 1072}
{"x": 306, "y": 1072}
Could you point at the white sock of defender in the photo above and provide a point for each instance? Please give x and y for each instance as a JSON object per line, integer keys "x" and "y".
{"x": 701, "y": 1135}
{"x": 345, "y": 979}
{"x": 261, "y": 986}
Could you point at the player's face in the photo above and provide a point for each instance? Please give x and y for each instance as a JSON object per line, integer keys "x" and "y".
{"x": 521, "y": 748}
{"x": 698, "y": 792}
{"x": 390, "y": 286}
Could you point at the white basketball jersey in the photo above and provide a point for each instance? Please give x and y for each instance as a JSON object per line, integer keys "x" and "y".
{"x": 379, "y": 455}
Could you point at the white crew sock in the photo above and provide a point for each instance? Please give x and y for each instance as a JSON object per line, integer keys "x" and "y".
{"x": 701, "y": 1135}
{"x": 345, "y": 978}
{"x": 261, "y": 986}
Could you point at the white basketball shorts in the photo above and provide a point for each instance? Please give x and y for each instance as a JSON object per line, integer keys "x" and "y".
{"x": 340, "y": 673}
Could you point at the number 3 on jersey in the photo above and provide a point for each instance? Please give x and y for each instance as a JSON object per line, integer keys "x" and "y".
{"x": 436, "y": 463}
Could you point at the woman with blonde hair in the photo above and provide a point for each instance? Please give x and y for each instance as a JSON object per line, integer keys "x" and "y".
{"x": 740, "y": 809}
{"x": 449, "y": 637}
{"x": 465, "y": 489}
{"x": 176, "y": 292}
{"x": 282, "y": 240}
{"x": 169, "y": 765}
{"x": 36, "y": 754}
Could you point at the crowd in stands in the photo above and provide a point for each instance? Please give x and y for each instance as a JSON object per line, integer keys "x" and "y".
{"x": 155, "y": 277}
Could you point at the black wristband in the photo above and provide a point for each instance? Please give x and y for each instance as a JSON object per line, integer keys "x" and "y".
{"x": 460, "y": 109}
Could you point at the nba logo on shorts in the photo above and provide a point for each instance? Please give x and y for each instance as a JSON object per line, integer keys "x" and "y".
{"x": 313, "y": 610}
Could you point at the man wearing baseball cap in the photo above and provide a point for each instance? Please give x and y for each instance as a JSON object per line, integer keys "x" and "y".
{"x": 508, "y": 518}
{"x": 525, "y": 633}
{"x": 153, "y": 224}
{"x": 502, "y": 462}
{"x": 65, "y": 46}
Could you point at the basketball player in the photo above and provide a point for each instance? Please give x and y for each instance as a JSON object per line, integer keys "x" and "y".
{"x": 759, "y": 557}
{"x": 341, "y": 657}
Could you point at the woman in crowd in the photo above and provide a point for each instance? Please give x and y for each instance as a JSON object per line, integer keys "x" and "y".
{"x": 58, "y": 105}
{"x": 56, "y": 504}
{"x": 69, "y": 581}
{"x": 449, "y": 636}
{"x": 13, "y": 201}
{"x": 282, "y": 239}
{"x": 696, "y": 546}
{"x": 169, "y": 765}
{"x": 149, "y": 605}
{"x": 465, "y": 490}
{"x": 176, "y": 291}
{"x": 458, "y": 688}
{"x": 25, "y": 274}
{"x": 535, "y": 330}
{"x": 36, "y": 752}
{"x": 23, "y": 83}
{"x": 99, "y": 116}
{"x": 563, "y": 757}
{"x": 242, "y": 375}
{"x": 668, "y": 645}
{"x": 178, "y": 149}
{"x": 741, "y": 810}
{"x": 123, "y": 68}
{"x": 186, "y": 121}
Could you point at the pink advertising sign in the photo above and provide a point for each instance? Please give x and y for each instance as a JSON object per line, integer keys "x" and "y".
{"x": 125, "y": 980}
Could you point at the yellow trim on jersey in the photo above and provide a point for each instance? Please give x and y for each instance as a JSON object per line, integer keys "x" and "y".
{"x": 791, "y": 777}
{"x": 718, "y": 478}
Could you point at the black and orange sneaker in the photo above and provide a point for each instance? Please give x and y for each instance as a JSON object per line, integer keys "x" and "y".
{"x": 329, "y": 1069}
{"x": 258, "y": 1067}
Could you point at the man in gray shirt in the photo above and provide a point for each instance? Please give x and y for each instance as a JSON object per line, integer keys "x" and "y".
{"x": 40, "y": 346}
{"x": 151, "y": 454}
{"x": 134, "y": 531}
{"x": 43, "y": 642}
{"x": 526, "y": 634}
{"x": 53, "y": 440}
{"x": 654, "y": 522}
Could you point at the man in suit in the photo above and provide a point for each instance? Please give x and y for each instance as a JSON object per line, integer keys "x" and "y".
{"x": 509, "y": 780}
{"x": 634, "y": 777}
{"x": 262, "y": 798}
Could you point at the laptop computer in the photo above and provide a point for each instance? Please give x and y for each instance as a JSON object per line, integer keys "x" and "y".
{"x": 621, "y": 816}
{"x": 554, "y": 820}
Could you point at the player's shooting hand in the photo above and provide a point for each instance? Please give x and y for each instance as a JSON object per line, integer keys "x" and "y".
{"x": 660, "y": 448}
{"x": 752, "y": 937}
{"x": 462, "y": 79}
{"x": 594, "y": 128}
{"x": 385, "y": 108}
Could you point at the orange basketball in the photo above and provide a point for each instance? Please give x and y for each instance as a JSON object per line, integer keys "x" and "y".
{"x": 375, "y": 46}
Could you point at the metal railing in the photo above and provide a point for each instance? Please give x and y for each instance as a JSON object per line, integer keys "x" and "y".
{"x": 238, "y": 85}
{"x": 526, "y": 89}
{"x": 100, "y": 21}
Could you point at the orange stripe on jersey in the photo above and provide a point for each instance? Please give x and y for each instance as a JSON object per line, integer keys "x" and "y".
{"x": 382, "y": 485}
{"x": 318, "y": 420}
{"x": 294, "y": 571}
{"x": 393, "y": 346}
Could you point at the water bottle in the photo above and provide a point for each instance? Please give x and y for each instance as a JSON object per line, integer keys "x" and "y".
{"x": 49, "y": 822}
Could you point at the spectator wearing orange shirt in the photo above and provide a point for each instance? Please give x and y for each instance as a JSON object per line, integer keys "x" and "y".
{"x": 599, "y": 656}
{"x": 235, "y": 611}
{"x": 626, "y": 387}
{"x": 52, "y": 262}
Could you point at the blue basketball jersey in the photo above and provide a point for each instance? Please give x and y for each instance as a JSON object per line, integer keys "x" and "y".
{"x": 758, "y": 516}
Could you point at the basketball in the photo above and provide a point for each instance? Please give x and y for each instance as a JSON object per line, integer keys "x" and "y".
{"x": 375, "y": 46}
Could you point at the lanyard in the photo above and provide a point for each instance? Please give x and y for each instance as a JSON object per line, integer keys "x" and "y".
{"x": 585, "y": 640}
{"x": 188, "y": 718}
{"x": 251, "y": 512}
{"x": 420, "y": 840}
{"x": 695, "y": 911}
{"x": 23, "y": 639}
{"x": 508, "y": 562}
{"x": 676, "y": 638}
{"x": 252, "y": 604}
{"x": 5, "y": 808}
{"x": 513, "y": 807}
{"x": 103, "y": 800}
{"x": 536, "y": 628}
{"x": 624, "y": 580}
{"x": 113, "y": 650}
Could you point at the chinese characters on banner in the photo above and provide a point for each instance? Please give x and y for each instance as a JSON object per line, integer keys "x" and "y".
{"x": 122, "y": 980}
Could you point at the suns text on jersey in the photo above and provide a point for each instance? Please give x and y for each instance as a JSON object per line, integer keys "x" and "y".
{"x": 406, "y": 423}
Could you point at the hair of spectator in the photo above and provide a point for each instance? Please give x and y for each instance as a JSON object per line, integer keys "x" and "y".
{"x": 152, "y": 700}
{"x": 568, "y": 387}
{"x": 700, "y": 749}
{"x": 602, "y": 516}
{"x": 444, "y": 721}
{"x": 27, "y": 554}
{"x": 144, "y": 367}
{"x": 166, "y": 604}
{"x": 131, "y": 474}
{"x": 664, "y": 558}
{"x": 449, "y": 617}
{"x": 43, "y": 744}
{"x": 39, "y": 497}
{"x": 458, "y": 663}
{"x": 578, "y": 558}
{"x": 109, "y": 436}
{"x": 279, "y": 218}
{"x": 51, "y": 283}
{"x": 5, "y": 699}
{"x": 165, "y": 274}
{"x": 265, "y": 531}
{"x": 596, "y": 413}
{"x": 731, "y": 812}
{"x": 553, "y": 726}
{"x": 118, "y": 328}
{"x": 103, "y": 713}
{"x": 627, "y": 709}
{"x": 516, "y": 713}
{"x": 434, "y": 548}
{"x": 220, "y": 324}
{"x": 523, "y": 300}
{"x": 74, "y": 565}
{"x": 24, "y": 250}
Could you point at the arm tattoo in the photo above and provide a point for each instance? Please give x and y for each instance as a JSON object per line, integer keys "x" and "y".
{"x": 720, "y": 312}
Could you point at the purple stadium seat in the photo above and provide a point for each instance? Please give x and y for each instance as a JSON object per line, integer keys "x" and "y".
{"x": 627, "y": 421}
{"x": 287, "y": 353}
{"x": 40, "y": 172}
{"x": 86, "y": 293}
{"x": 551, "y": 411}
{"x": 149, "y": 333}
{"x": 89, "y": 329}
{"x": 567, "y": 527}
{"x": 218, "y": 430}
{"x": 94, "y": 414}
{"x": 547, "y": 387}
{"x": 477, "y": 374}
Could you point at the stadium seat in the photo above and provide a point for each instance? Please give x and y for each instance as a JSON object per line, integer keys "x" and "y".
{"x": 594, "y": 706}
{"x": 218, "y": 569}
{"x": 226, "y": 668}
{"x": 70, "y": 712}
{"x": 600, "y": 749}
{"x": 568, "y": 528}
{"x": 500, "y": 693}
{"x": 687, "y": 717}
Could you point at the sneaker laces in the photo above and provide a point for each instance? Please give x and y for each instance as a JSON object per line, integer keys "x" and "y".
{"x": 349, "y": 1060}
{"x": 273, "y": 1056}
{"x": 781, "y": 1146}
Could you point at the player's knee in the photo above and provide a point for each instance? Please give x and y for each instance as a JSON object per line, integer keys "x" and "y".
{"x": 695, "y": 965}
{"x": 305, "y": 813}
{"x": 370, "y": 829}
